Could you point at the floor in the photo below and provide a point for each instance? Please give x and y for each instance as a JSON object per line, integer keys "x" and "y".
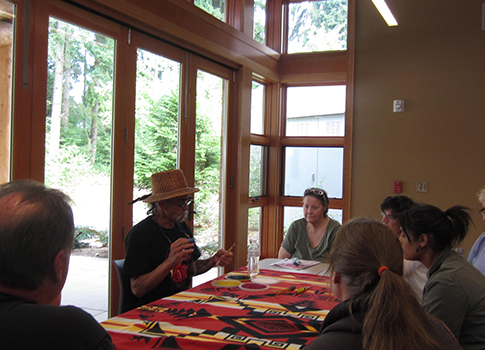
{"x": 87, "y": 285}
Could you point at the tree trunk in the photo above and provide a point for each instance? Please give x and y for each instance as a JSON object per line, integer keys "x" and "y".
{"x": 55, "y": 131}
{"x": 94, "y": 131}
{"x": 67, "y": 84}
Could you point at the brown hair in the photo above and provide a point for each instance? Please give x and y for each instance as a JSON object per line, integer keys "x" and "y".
{"x": 394, "y": 319}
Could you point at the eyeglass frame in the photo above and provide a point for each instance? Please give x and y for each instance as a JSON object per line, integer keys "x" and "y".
{"x": 388, "y": 216}
{"x": 186, "y": 203}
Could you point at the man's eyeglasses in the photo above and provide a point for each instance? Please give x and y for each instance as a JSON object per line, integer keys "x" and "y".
{"x": 186, "y": 203}
{"x": 482, "y": 211}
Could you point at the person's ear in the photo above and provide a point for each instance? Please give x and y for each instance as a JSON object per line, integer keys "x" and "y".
{"x": 61, "y": 266}
{"x": 423, "y": 240}
{"x": 336, "y": 278}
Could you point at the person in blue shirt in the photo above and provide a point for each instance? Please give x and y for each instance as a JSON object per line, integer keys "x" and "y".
{"x": 477, "y": 253}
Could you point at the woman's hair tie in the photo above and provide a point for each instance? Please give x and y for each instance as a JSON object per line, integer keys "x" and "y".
{"x": 382, "y": 268}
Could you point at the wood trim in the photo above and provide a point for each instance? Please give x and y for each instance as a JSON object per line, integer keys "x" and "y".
{"x": 65, "y": 12}
{"x": 236, "y": 227}
{"x": 22, "y": 93}
{"x": 274, "y": 27}
{"x": 188, "y": 26}
{"x": 273, "y": 220}
{"x": 234, "y": 15}
{"x": 123, "y": 158}
{"x": 313, "y": 141}
{"x": 259, "y": 140}
{"x": 335, "y": 203}
{"x": 257, "y": 201}
{"x": 39, "y": 86}
{"x": 248, "y": 21}
{"x": 349, "y": 112}
{"x": 317, "y": 67}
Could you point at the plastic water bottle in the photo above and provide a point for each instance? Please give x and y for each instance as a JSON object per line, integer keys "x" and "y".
{"x": 253, "y": 259}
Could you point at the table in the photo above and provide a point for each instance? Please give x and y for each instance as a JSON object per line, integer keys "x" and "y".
{"x": 320, "y": 269}
{"x": 208, "y": 317}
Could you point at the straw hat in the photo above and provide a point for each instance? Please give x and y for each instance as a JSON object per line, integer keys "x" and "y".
{"x": 168, "y": 184}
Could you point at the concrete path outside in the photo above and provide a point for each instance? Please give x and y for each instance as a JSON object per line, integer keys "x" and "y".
{"x": 87, "y": 285}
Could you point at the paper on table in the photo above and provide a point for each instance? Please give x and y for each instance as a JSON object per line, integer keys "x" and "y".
{"x": 296, "y": 264}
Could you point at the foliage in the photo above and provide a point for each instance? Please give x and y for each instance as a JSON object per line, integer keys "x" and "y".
{"x": 68, "y": 168}
{"x": 214, "y": 7}
{"x": 85, "y": 135}
{"x": 156, "y": 138}
{"x": 80, "y": 75}
{"x": 255, "y": 170}
{"x": 83, "y": 233}
{"x": 318, "y": 26}
{"x": 259, "y": 31}
{"x": 254, "y": 223}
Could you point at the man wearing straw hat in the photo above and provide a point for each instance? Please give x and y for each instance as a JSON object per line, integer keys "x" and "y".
{"x": 161, "y": 256}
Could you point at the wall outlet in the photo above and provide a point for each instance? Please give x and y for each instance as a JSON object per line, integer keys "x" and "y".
{"x": 398, "y": 106}
{"x": 422, "y": 187}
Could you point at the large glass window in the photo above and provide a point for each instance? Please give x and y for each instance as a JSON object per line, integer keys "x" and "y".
{"x": 79, "y": 134}
{"x": 7, "y": 25}
{"x": 317, "y": 26}
{"x": 315, "y": 111}
{"x": 216, "y": 8}
{"x": 254, "y": 225}
{"x": 259, "y": 21}
{"x": 157, "y": 120}
{"x": 257, "y": 108}
{"x": 211, "y": 112}
{"x": 257, "y": 170}
{"x": 314, "y": 167}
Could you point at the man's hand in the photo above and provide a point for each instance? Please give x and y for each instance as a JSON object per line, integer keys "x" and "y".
{"x": 180, "y": 250}
{"x": 223, "y": 258}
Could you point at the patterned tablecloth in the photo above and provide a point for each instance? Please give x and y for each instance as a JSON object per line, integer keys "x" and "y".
{"x": 229, "y": 318}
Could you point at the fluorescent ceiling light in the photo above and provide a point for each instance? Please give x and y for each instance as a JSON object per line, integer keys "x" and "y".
{"x": 385, "y": 12}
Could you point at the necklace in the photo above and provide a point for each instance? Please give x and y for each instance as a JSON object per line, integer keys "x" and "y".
{"x": 163, "y": 231}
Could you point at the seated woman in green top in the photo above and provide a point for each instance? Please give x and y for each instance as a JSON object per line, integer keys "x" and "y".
{"x": 311, "y": 237}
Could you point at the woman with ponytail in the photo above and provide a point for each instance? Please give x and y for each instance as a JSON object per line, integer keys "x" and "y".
{"x": 455, "y": 290}
{"x": 379, "y": 310}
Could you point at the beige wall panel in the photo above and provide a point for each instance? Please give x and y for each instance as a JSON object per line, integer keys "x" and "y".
{"x": 5, "y": 97}
{"x": 434, "y": 60}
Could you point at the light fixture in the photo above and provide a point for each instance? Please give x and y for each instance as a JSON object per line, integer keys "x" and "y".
{"x": 385, "y": 12}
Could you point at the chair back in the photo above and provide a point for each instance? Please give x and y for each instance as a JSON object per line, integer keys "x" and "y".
{"x": 127, "y": 298}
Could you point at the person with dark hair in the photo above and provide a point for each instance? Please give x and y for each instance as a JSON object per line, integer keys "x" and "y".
{"x": 161, "y": 255}
{"x": 378, "y": 311}
{"x": 311, "y": 237}
{"x": 477, "y": 253}
{"x": 36, "y": 238}
{"x": 455, "y": 290}
{"x": 415, "y": 273}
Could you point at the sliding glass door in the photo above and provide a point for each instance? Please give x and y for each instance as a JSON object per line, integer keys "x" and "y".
{"x": 78, "y": 151}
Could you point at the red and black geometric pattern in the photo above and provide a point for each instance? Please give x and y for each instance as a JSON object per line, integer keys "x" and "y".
{"x": 207, "y": 317}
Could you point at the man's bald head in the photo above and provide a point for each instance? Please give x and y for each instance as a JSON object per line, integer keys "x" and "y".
{"x": 35, "y": 224}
